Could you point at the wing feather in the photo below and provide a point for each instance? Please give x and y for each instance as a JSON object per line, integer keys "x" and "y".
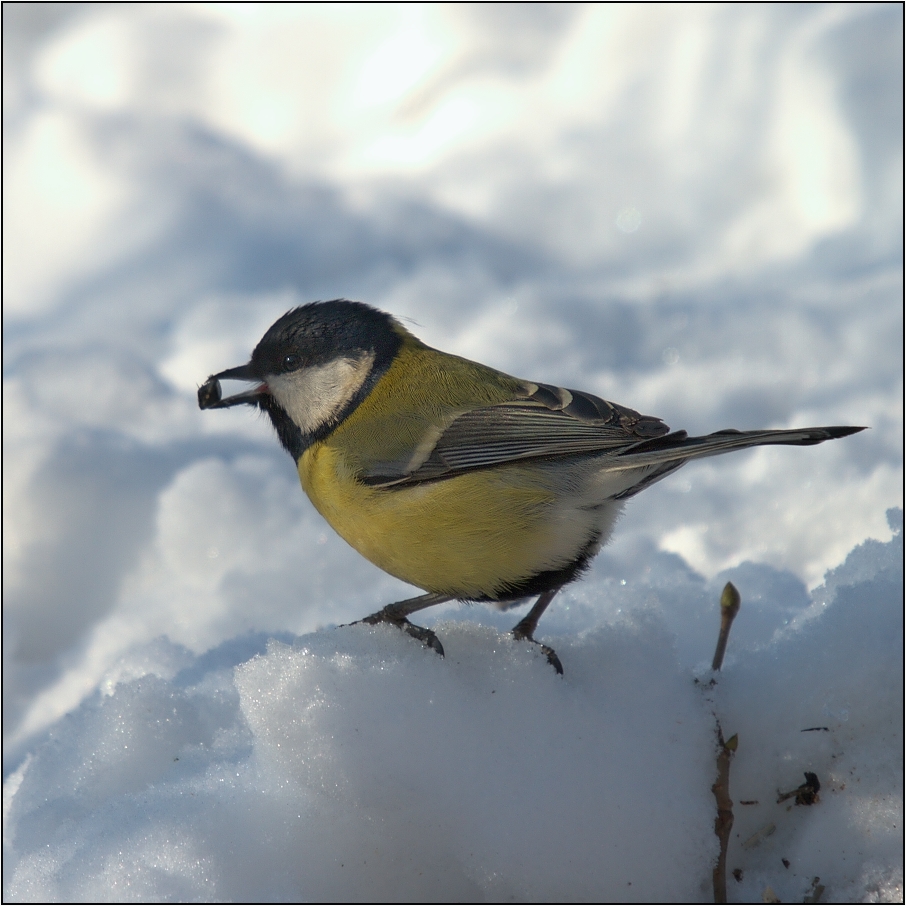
{"x": 545, "y": 422}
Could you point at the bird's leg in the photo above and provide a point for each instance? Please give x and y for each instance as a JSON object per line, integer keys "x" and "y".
{"x": 398, "y": 614}
{"x": 525, "y": 628}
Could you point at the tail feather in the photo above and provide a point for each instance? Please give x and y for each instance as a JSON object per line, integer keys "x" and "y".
{"x": 678, "y": 446}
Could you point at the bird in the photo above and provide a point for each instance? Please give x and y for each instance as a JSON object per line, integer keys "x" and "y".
{"x": 459, "y": 479}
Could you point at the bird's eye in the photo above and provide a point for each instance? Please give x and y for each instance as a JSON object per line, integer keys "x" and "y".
{"x": 291, "y": 362}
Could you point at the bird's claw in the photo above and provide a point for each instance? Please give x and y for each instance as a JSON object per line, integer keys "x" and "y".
{"x": 546, "y": 650}
{"x": 552, "y": 658}
{"x": 425, "y": 636}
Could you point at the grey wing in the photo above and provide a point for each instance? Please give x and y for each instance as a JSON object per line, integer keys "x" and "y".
{"x": 550, "y": 422}
{"x": 547, "y": 422}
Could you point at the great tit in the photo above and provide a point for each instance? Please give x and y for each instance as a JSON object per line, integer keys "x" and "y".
{"x": 452, "y": 476}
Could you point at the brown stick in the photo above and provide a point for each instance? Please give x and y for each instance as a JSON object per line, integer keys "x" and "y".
{"x": 723, "y": 823}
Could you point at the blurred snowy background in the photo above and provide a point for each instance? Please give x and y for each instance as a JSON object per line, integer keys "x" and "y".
{"x": 695, "y": 211}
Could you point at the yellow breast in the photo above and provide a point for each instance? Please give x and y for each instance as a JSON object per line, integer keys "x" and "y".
{"x": 433, "y": 535}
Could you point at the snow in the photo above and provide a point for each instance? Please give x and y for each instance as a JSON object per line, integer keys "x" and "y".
{"x": 693, "y": 211}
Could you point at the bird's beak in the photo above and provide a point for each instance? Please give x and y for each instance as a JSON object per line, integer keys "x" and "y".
{"x": 209, "y": 392}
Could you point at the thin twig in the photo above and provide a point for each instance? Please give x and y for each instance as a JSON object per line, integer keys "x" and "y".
{"x": 729, "y": 607}
{"x": 723, "y": 824}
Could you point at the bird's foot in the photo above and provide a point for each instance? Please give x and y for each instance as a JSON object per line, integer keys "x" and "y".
{"x": 425, "y": 636}
{"x": 546, "y": 650}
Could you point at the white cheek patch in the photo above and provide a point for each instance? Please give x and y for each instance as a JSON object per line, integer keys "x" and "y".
{"x": 315, "y": 395}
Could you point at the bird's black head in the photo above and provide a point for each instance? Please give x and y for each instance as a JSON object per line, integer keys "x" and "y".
{"x": 314, "y": 365}
{"x": 320, "y": 332}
